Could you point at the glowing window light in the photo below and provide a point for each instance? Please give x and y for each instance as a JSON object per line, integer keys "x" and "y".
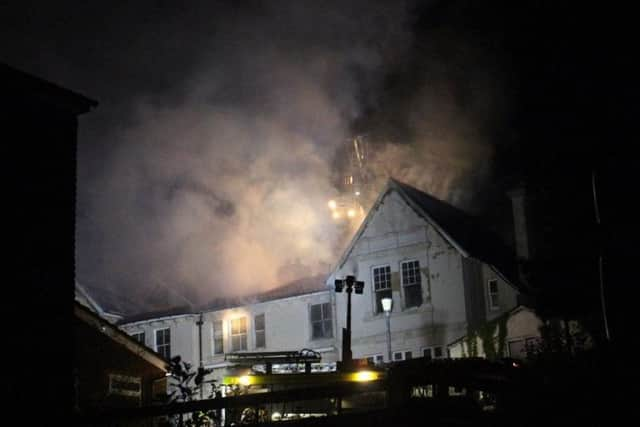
{"x": 332, "y": 204}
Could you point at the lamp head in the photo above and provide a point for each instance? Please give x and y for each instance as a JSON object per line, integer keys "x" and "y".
{"x": 386, "y": 304}
{"x": 359, "y": 287}
{"x": 339, "y": 284}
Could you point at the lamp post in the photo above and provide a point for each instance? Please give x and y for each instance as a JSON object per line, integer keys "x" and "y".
{"x": 351, "y": 284}
{"x": 386, "y": 306}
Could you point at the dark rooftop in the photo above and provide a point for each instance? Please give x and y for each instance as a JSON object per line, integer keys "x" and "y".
{"x": 469, "y": 232}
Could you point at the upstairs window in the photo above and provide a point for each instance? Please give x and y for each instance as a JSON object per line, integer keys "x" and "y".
{"x": 163, "y": 343}
{"x": 381, "y": 285}
{"x": 218, "y": 341}
{"x": 321, "y": 326}
{"x": 494, "y": 300}
{"x": 139, "y": 336}
{"x": 260, "y": 331}
{"x": 412, "y": 283}
{"x": 239, "y": 334}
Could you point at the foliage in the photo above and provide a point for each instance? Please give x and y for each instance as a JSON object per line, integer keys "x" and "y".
{"x": 187, "y": 384}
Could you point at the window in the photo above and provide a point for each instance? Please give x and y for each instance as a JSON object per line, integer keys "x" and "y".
{"x": 412, "y": 283}
{"x": 239, "y": 334}
{"x": 321, "y": 326}
{"x": 399, "y": 355}
{"x": 494, "y": 302}
{"x": 426, "y": 353}
{"x": 437, "y": 352}
{"x": 163, "y": 343}
{"x": 138, "y": 336}
{"x": 432, "y": 353}
{"x": 381, "y": 285}
{"x": 376, "y": 359}
{"x": 218, "y": 341}
{"x": 260, "y": 330}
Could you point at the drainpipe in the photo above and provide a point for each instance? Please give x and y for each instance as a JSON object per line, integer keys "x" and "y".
{"x": 597, "y": 213}
{"x": 199, "y": 323}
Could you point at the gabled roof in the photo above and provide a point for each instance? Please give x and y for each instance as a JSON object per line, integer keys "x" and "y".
{"x": 19, "y": 85}
{"x": 85, "y": 298}
{"x": 464, "y": 232}
{"x": 102, "y": 326}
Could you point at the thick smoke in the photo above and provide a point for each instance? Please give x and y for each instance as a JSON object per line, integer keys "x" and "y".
{"x": 222, "y": 190}
{"x": 215, "y": 180}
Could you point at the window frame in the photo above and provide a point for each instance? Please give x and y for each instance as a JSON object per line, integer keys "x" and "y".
{"x": 432, "y": 351}
{"x": 402, "y": 353}
{"x": 377, "y": 302}
{"x": 377, "y": 359}
{"x": 324, "y": 321}
{"x": 214, "y": 331}
{"x": 490, "y": 295}
{"x": 135, "y": 336}
{"x": 244, "y": 334}
{"x": 404, "y": 286}
{"x": 263, "y": 330}
{"x": 155, "y": 342}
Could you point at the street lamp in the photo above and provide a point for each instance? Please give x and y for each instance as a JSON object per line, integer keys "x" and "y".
{"x": 351, "y": 284}
{"x": 386, "y": 306}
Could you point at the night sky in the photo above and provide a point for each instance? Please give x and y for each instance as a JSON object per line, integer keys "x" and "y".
{"x": 207, "y": 165}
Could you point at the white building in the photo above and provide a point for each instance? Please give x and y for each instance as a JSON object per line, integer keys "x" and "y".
{"x": 444, "y": 272}
{"x": 446, "y": 275}
{"x": 299, "y": 316}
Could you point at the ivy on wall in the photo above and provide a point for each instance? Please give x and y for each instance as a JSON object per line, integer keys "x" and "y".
{"x": 493, "y": 346}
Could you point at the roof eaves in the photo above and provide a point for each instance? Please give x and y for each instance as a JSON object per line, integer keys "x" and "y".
{"x": 120, "y": 337}
{"x": 420, "y": 211}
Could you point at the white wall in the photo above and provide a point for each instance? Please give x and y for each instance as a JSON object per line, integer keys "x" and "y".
{"x": 395, "y": 233}
{"x": 182, "y": 330}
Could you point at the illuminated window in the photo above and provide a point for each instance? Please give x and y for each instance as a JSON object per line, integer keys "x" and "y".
{"x": 260, "y": 331}
{"x": 381, "y": 285}
{"x": 218, "y": 340}
{"x": 163, "y": 343}
{"x": 492, "y": 288}
{"x": 412, "y": 283}
{"x": 321, "y": 325}
{"x": 239, "y": 334}
{"x": 138, "y": 336}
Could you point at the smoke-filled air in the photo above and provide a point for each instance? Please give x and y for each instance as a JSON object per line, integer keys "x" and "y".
{"x": 217, "y": 184}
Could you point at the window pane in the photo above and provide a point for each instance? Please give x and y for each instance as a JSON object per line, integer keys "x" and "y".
{"x": 327, "y": 329}
{"x": 413, "y": 295}
{"x": 260, "y": 322}
{"x": 326, "y": 310}
{"x": 260, "y": 339}
{"x": 408, "y": 355}
{"x": 397, "y": 356}
{"x": 316, "y": 312}
{"x": 379, "y": 296}
{"x": 317, "y": 329}
{"x": 438, "y": 352}
{"x": 218, "y": 345}
{"x": 426, "y": 353}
